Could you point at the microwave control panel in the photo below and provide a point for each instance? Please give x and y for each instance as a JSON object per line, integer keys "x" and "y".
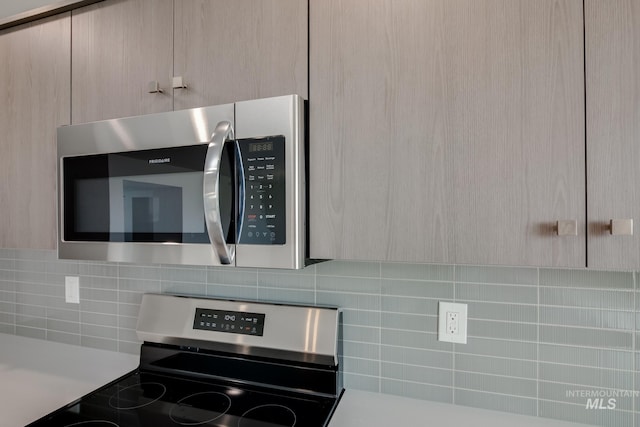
{"x": 264, "y": 209}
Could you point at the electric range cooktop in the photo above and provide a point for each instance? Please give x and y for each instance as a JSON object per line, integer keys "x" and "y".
{"x": 207, "y": 362}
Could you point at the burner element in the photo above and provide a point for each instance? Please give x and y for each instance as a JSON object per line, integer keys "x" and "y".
{"x": 200, "y": 408}
{"x": 268, "y": 416}
{"x": 98, "y": 423}
{"x": 137, "y": 395}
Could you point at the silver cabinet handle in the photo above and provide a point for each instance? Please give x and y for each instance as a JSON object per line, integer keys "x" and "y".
{"x": 567, "y": 227}
{"x": 210, "y": 186}
{"x": 178, "y": 83}
{"x": 154, "y": 87}
{"x": 621, "y": 227}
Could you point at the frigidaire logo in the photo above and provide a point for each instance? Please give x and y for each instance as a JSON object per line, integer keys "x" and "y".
{"x": 156, "y": 161}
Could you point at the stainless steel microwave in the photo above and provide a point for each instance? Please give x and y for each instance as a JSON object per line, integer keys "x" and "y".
{"x": 219, "y": 185}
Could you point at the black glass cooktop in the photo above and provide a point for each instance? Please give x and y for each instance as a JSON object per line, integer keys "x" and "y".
{"x": 151, "y": 399}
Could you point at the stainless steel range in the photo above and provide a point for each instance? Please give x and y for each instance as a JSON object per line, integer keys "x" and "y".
{"x": 209, "y": 362}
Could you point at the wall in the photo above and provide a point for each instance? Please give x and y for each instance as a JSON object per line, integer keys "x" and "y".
{"x": 541, "y": 341}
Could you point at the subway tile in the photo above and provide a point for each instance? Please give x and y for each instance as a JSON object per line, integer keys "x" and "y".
{"x": 139, "y": 285}
{"x": 104, "y": 270}
{"x": 409, "y": 322}
{"x": 7, "y": 253}
{"x": 233, "y": 292}
{"x": 62, "y": 268}
{"x": 130, "y": 297}
{"x": 8, "y": 328}
{"x": 62, "y": 326}
{"x": 435, "y": 272}
{"x": 7, "y": 285}
{"x": 586, "y": 279}
{"x": 227, "y": 276}
{"x": 139, "y": 272}
{"x": 99, "y": 319}
{"x": 496, "y": 402}
{"x": 286, "y": 281}
{"x": 595, "y": 318}
{"x": 182, "y": 288}
{"x": 585, "y": 376}
{"x": 126, "y": 322}
{"x": 496, "y": 293}
{"x": 348, "y": 285}
{"x": 98, "y": 282}
{"x": 184, "y": 274}
{"x": 581, "y": 414}
{"x": 26, "y": 265}
{"x": 586, "y": 337}
{"x": 495, "y": 384}
{"x": 417, "y": 357}
{"x": 410, "y": 339}
{"x": 418, "y": 374}
{"x": 99, "y": 343}
{"x": 7, "y": 275}
{"x": 130, "y": 310}
{"x": 349, "y": 300}
{"x": 496, "y": 366}
{"x": 294, "y": 296}
{"x": 8, "y": 296}
{"x": 31, "y": 310}
{"x": 7, "y": 307}
{"x": 361, "y": 318}
{"x": 38, "y": 289}
{"x": 348, "y": 269}
{"x": 23, "y": 331}
{"x": 99, "y": 331}
{"x": 361, "y": 366}
{"x": 499, "y": 348}
{"x": 501, "y": 311}
{"x": 7, "y": 318}
{"x": 362, "y": 382}
{"x": 98, "y": 294}
{"x": 583, "y": 356}
{"x": 580, "y": 395}
{"x": 409, "y": 305}
{"x": 587, "y": 298}
{"x": 361, "y": 334}
{"x": 417, "y": 390}
{"x": 64, "y": 338}
{"x": 361, "y": 350}
{"x": 503, "y": 330}
{"x": 26, "y": 277}
{"x": 419, "y": 289}
{"x": 497, "y": 275}
{"x": 99, "y": 307}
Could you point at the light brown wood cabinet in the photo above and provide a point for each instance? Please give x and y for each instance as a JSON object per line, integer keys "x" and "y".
{"x": 34, "y": 88}
{"x": 225, "y": 51}
{"x": 613, "y": 130}
{"x": 447, "y": 131}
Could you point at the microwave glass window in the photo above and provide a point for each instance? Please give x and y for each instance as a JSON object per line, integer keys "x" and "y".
{"x": 143, "y": 196}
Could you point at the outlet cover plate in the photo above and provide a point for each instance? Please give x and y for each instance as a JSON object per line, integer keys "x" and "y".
{"x": 72, "y": 289}
{"x": 450, "y": 307}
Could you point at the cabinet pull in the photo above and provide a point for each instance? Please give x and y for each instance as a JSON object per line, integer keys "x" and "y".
{"x": 154, "y": 87}
{"x": 567, "y": 227}
{"x": 178, "y": 83}
{"x": 621, "y": 227}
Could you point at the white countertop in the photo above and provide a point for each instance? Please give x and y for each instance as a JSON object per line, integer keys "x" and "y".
{"x": 364, "y": 409}
{"x": 38, "y": 377}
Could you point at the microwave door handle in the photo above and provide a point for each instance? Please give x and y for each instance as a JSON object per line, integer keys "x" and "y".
{"x": 211, "y": 184}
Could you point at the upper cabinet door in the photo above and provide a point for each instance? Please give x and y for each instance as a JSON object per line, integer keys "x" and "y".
{"x": 447, "y": 131}
{"x": 613, "y": 130}
{"x": 229, "y": 51}
{"x": 118, "y": 49}
{"x": 34, "y": 87}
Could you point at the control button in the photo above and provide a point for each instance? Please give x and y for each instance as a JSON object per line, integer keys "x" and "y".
{"x": 252, "y": 178}
{"x": 252, "y": 168}
{"x": 273, "y": 235}
{"x": 270, "y": 167}
{"x": 250, "y": 234}
{"x": 269, "y": 177}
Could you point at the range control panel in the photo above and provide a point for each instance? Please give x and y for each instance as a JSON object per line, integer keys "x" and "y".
{"x": 233, "y": 322}
{"x": 264, "y": 211}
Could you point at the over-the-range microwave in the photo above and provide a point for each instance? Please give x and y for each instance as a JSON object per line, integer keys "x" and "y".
{"x": 219, "y": 185}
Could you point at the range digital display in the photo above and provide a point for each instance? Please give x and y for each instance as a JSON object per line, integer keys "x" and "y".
{"x": 233, "y": 322}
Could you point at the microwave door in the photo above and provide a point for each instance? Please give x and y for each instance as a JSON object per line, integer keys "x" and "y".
{"x": 218, "y": 195}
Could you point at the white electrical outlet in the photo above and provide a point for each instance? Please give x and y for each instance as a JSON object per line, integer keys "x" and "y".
{"x": 452, "y": 322}
{"x": 72, "y": 289}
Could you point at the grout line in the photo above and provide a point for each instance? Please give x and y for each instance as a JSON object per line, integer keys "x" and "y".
{"x": 538, "y": 348}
